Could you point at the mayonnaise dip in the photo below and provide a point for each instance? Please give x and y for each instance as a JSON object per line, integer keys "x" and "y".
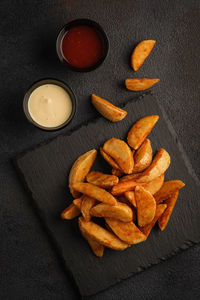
{"x": 49, "y": 105}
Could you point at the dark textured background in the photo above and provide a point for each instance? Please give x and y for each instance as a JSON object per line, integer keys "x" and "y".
{"x": 29, "y": 267}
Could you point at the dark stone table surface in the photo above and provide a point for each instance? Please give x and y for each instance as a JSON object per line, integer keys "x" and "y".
{"x": 29, "y": 265}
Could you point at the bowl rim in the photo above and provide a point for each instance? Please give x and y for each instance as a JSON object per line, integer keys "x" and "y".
{"x": 99, "y": 30}
{"x": 41, "y": 82}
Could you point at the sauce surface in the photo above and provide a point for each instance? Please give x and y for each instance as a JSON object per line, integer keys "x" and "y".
{"x": 49, "y": 105}
{"x": 82, "y": 46}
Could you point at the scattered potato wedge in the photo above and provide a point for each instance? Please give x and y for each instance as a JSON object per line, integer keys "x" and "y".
{"x": 154, "y": 185}
{"x": 140, "y": 84}
{"x": 107, "y": 109}
{"x": 120, "y": 211}
{"x": 77, "y": 202}
{"x": 101, "y": 235}
{"x": 126, "y": 231}
{"x": 143, "y": 157}
{"x": 70, "y": 212}
{"x": 140, "y": 130}
{"x": 80, "y": 169}
{"x": 87, "y": 204}
{"x": 164, "y": 219}
{"x": 97, "y": 248}
{"x": 158, "y": 166}
{"x": 95, "y": 192}
{"x": 109, "y": 159}
{"x": 159, "y": 211}
{"x": 141, "y": 52}
{"x": 121, "y": 153}
{"x": 168, "y": 188}
{"x": 125, "y": 186}
{"x": 105, "y": 181}
{"x": 130, "y": 196}
{"x": 116, "y": 172}
{"x": 146, "y": 206}
{"x": 130, "y": 177}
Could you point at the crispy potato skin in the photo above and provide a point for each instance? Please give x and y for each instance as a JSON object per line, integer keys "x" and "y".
{"x": 120, "y": 211}
{"x": 141, "y": 52}
{"x": 70, "y": 212}
{"x": 125, "y": 186}
{"x": 80, "y": 169}
{"x": 95, "y": 192}
{"x": 164, "y": 219}
{"x": 77, "y": 202}
{"x": 154, "y": 185}
{"x": 127, "y": 232}
{"x": 130, "y": 196}
{"x": 105, "y": 181}
{"x": 168, "y": 188}
{"x": 140, "y": 84}
{"x": 107, "y": 109}
{"x": 87, "y": 204}
{"x": 143, "y": 157}
{"x": 121, "y": 153}
{"x": 158, "y": 166}
{"x": 146, "y": 206}
{"x": 133, "y": 177}
{"x": 116, "y": 172}
{"x": 139, "y": 131}
{"x": 101, "y": 235}
{"x": 109, "y": 159}
{"x": 97, "y": 248}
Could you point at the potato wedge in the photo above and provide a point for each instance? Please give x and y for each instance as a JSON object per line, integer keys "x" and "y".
{"x": 97, "y": 248}
{"x": 87, "y": 204}
{"x": 140, "y": 130}
{"x": 125, "y": 186}
{"x": 133, "y": 177}
{"x": 120, "y": 211}
{"x": 158, "y": 166}
{"x": 143, "y": 157}
{"x": 107, "y": 109}
{"x": 116, "y": 172}
{"x": 126, "y": 231}
{"x": 95, "y": 192}
{"x": 159, "y": 211}
{"x": 154, "y": 185}
{"x": 101, "y": 235}
{"x": 146, "y": 206}
{"x": 121, "y": 153}
{"x": 140, "y": 84}
{"x": 109, "y": 159}
{"x": 105, "y": 181}
{"x": 77, "y": 202}
{"x": 141, "y": 52}
{"x": 168, "y": 188}
{"x": 80, "y": 169}
{"x": 130, "y": 196}
{"x": 164, "y": 219}
{"x": 70, "y": 212}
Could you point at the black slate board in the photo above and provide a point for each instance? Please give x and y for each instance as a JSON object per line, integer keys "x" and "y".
{"x": 45, "y": 171}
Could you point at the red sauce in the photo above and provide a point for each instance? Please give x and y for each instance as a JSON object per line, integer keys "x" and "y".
{"x": 82, "y": 46}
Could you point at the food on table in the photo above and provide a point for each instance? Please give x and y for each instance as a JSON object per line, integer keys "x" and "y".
{"x": 133, "y": 177}
{"x": 164, "y": 218}
{"x": 78, "y": 201}
{"x": 141, "y": 52}
{"x": 116, "y": 172}
{"x": 70, "y": 212}
{"x": 109, "y": 159}
{"x": 154, "y": 185}
{"x": 140, "y": 84}
{"x": 102, "y": 180}
{"x": 168, "y": 188}
{"x": 86, "y": 205}
{"x": 143, "y": 157}
{"x": 125, "y": 186}
{"x": 107, "y": 109}
{"x": 98, "y": 249}
{"x": 130, "y": 196}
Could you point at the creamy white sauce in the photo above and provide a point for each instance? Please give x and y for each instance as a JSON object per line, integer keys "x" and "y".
{"x": 49, "y": 105}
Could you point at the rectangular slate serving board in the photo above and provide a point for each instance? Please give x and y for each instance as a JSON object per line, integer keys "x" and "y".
{"x": 45, "y": 172}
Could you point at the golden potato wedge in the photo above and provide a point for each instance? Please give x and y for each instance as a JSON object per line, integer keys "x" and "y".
{"x": 80, "y": 169}
{"x": 126, "y": 231}
{"x": 101, "y": 235}
{"x": 133, "y": 177}
{"x": 87, "y": 204}
{"x": 107, "y": 109}
{"x": 95, "y": 192}
{"x": 120, "y": 211}
{"x": 164, "y": 219}
{"x": 105, "y": 181}
{"x": 97, "y": 248}
{"x": 116, "y": 172}
{"x": 130, "y": 196}
{"x": 154, "y": 185}
{"x": 146, "y": 206}
{"x": 158, "y": 166}
{"x": 109, "y": 159}
{"x": 70, "y": 212}
{"x": 121, "y": 153}
{"x": 140, "y": 84}
{"x": 168, "y": 188}
{"x": 77, "y": 202}
{"x": 159, "y": 211}
{"x": 141, "y": 52}
{"x": 140, "y": 130}
{"x": 125, "y": 186}
{"x": 143, "y": 157}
